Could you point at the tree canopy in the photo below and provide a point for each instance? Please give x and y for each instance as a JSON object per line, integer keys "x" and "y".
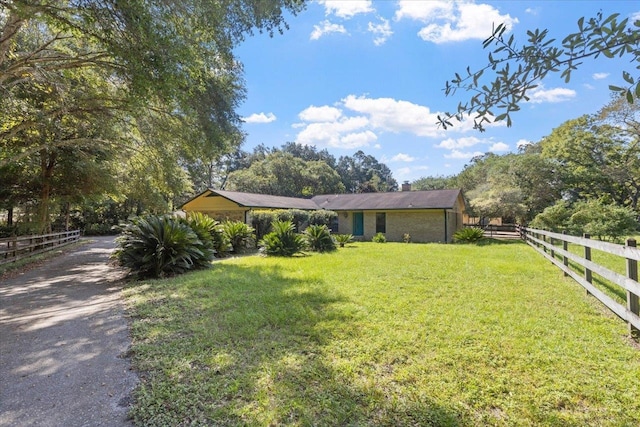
{"x": 299, "y": 170}
{"x": 131, "y": 90}
{"x": 517, "y": 68}
{"x": 591, "y": 158}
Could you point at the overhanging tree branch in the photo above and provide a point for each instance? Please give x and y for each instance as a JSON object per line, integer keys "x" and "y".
{"x": 517, "y": 70}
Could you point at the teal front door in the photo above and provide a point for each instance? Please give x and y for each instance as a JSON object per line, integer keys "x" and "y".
{"x": 358, "y": 224}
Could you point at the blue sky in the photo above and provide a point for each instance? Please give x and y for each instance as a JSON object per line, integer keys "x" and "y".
{"x": 368, "y": 75}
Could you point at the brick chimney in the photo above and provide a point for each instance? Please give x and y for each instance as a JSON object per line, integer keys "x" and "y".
{"x": 406, "y": 186}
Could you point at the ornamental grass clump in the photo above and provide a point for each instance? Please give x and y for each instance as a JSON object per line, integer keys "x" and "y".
{"x": 319, "y": 238}
{"x": 283, "y": 240}
{"x": 160, "y": 246}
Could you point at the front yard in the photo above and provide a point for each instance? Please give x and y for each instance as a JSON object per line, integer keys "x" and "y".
{"x": 381, "y": 334}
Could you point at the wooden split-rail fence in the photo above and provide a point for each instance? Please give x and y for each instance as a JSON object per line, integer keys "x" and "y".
{"x": 16, "y": 248}
{"x": 555, "y": 247}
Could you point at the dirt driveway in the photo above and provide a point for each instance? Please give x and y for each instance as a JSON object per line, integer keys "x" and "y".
{"x": 63, "y": 338}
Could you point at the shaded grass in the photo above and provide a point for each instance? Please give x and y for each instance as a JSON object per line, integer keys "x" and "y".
{"x": 390, "y": 334}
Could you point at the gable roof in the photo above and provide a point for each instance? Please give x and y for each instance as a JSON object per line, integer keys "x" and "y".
{"x": 433, "y": 199}
{"x": 251, "y": 200}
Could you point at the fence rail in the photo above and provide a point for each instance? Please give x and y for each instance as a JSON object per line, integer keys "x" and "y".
{"x": 15, "y": 248}
{"x": 547, "y": 244}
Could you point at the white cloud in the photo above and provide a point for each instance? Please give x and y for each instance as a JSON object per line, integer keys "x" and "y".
{"x": 634, "y": 17}
{"x": 356, "y": 140}
{"x": 451, "y": 144}
{"x": 423, "y": 11}
{"x": 600, "y": 76}
{"x": 449, "y": 22}
{"x": 522, "y": 143}
{"x": 346, "y": 8}
{"x": 382, "y": 31}
{"x": 540, "y": 95}
{"x": 260, "y": 118}
{"x": 395, "y": 116}
{"x": 401, "y": 157}
{"x": 320, "y": 114}
{"x": 498, "y": 147}
{"x": 326, "y": 27}
{"x": 355, "y": 121}
{"x": 532, "y": 11}
{"x": 457, "y": 154}
{"x": 331, "y": 134}
{"x": 377, "y": 146}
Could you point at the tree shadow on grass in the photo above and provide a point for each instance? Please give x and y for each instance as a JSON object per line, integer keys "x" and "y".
{"x": 250, "y": 345}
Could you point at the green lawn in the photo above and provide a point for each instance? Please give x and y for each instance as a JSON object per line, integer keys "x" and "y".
{"x": 381, "y": 334}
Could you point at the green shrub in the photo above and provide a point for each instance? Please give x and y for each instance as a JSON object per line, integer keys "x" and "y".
{"x": 379, "y": 238}
{"x": 261, "y": 222}
{"x": 283, "y": 240}
{"x": 602, "y": 220}
{"x": 209, "y": 231}
{"x": 99, "y": 230}
{"x": 319, "y": 238}
{"x": 323, "y": 217}
{"x": 343, "y": 239}
{"x": 553, "y": 218}
{"x": 468, "y": 235}
{"x": 239, "y": 234}
{"x": 406, "y": 238}
{"x": 160, "y": 246}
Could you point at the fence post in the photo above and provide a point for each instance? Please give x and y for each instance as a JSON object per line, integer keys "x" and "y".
{"x": 632, "y": 299}
{"x": 587, "y": 256}
{"x": 565, "y": 260}
{"x": 553, "y": 253}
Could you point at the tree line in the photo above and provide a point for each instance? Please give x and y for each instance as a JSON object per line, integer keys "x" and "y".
{"x": 107, "y": 101}
{"x": 591, "y": 158}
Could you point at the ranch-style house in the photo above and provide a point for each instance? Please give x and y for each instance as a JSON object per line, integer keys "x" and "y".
{"x": 427, "y": 216}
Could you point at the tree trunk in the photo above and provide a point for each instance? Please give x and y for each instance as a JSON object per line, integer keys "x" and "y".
{"x": 47, "y": 164}
{"x": 10, "y": 217}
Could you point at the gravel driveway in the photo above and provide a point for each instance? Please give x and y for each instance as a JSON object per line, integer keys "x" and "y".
{"x": 63, "y": 341}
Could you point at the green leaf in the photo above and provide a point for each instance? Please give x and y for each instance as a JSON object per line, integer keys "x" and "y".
{"x": 629, "y": 97}
{"x": 627, "y": 77}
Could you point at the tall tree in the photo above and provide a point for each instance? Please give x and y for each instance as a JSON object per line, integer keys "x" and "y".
{"x": 595, "y": 160}
{"x": 363, "y": 173}
{"x": 282, "y": 174}
{"x": 434, "y": 183}
{"x": 69, "y": 68}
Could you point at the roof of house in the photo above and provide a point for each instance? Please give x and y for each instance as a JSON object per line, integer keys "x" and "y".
{"x": 251, "y": 200}
{"x": 433, "y": 199}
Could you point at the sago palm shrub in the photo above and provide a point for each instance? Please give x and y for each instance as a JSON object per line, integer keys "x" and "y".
{"x": 468, "y": 235}
{"x": 319, "y": 238}
{"x": 343, "y": 239}
{"x": 210, "y": 232}
{"x": 283, "y": 240}
{"x": 240, "y": 235}
{"x": 159, "y": 246}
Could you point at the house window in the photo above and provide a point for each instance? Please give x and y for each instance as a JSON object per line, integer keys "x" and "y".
{"x": 381, "y": 222}
{"x": 333, "y": 224}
